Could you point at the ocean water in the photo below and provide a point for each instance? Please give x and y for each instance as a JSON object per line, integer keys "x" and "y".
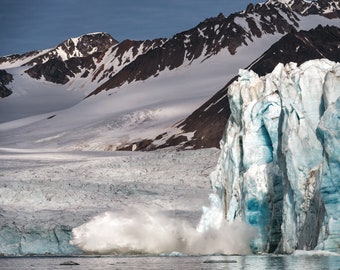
{"x": 173, "y": 263}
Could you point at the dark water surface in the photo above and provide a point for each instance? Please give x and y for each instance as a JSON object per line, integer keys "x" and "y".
{"x": 175, "y": 263}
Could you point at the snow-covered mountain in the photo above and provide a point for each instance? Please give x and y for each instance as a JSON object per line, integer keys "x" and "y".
{"x": 207, "y": 123}
{"x": 215, "y": 34}
{"x": 149, "y": 85}
{"x": 80, "y": 47}
{"x": 279, "y": 165}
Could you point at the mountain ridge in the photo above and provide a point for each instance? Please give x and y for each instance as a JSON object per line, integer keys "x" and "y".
{"x": 221, "y": 32}
{"x": 209, "y": 120}
{"x": 218, "y": 45}
{"x": 211, "y": 35}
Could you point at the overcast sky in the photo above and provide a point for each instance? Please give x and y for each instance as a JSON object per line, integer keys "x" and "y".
{"x": 28, "y": 25}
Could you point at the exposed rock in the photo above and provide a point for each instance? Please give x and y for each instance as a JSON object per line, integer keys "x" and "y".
{"x": 5, "y": 79}
{"x": 220, "y": 261}
{"x": 206, "y": 39}
{"x": 17, "y": 57}
{"x": 53, "y": 70}
{"x": 71, "y": 57}
{"x": 321, "y": 42}
{"x": 77, "y": 47}
{"x": 69, "y": 263}
{"x": 208, "y": 121}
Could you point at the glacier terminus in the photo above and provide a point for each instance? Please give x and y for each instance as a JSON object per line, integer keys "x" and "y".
{"x": 279, "y": 168}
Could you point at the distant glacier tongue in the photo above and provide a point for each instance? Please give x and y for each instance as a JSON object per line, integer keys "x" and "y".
{"x": 279, "y": 168}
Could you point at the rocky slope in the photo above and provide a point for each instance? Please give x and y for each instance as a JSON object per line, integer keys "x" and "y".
{"x": 5, "y": 79}
{"x": 208, "y": 122}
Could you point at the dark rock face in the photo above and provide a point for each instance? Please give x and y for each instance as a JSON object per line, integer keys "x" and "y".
{"x": 141, "y": 145}
{"x": 17, "y": 57}
{"x": 329, "y": 9}
{"x": 321, "y": 42}
{"x": 53, "y": 70}
{"x": 58, "y": 71}
{"x": 69, "y": 263}
{"x": 208, "y": 122}
{"x": 4, "y": 91}
{"x": 5, "y": 79}
{"x": 80, "y": 53}
{"x": 83, "y": 46}
{"x": 125, "y": 53}
{"x": 77, "y": 47}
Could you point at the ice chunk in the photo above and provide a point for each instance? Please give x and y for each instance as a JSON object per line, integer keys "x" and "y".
{"x": 212, "y": 216}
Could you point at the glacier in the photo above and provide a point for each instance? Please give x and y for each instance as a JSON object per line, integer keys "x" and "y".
{"x": 46, "y": 194}
{"x": 279, "y": 167}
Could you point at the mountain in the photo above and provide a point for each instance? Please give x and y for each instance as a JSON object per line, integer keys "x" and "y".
{"x": 214, "y": 34}
{"x": 74, "y": 47}
{"x": 208, "y": 121}
{"x": 93, "y": 92}
{"x": 279, "y": 165}
{"x": 329, "y": 9}
{"x": 120, "y": 55}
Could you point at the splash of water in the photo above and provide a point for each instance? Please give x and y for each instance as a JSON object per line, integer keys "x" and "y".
{"x": 141, "y": 231}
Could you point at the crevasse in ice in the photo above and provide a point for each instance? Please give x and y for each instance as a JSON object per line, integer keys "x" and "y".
{"x": 279, "y": 167}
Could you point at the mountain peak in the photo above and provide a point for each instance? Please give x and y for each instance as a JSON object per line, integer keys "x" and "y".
{"x": 89, "y": 43}
{"x": 292, "y": 2}
{"x": 327, "y": 8}
{"x": 287, "y": 2}
{"x": 81, "y": 46}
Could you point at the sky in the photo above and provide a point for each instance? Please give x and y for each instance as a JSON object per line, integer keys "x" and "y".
{"x": 28, "y": 25}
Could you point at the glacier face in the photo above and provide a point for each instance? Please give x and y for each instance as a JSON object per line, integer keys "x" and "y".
{"x": 279, "y": 167}
{"x": 40, "y": 232}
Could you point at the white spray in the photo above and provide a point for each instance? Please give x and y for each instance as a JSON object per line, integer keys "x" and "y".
{"x": 140, "y": 231}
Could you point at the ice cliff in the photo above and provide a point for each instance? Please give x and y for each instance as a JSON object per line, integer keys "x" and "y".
{"x": 279, "y": 167}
